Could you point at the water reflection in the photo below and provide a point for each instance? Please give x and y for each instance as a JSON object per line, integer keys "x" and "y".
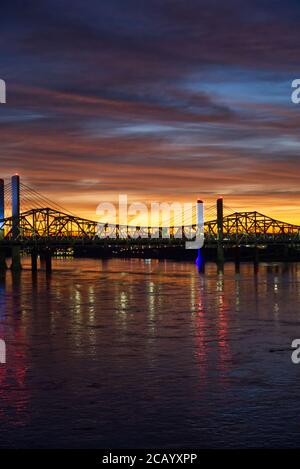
{"x": 14, "y": 394}
{"x": 128, "y": 352}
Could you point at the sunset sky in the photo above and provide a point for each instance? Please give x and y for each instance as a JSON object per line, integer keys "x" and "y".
{"x": 158, "y": 99}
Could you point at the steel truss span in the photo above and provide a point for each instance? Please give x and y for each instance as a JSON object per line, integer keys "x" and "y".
{"x": 47, "y": 225}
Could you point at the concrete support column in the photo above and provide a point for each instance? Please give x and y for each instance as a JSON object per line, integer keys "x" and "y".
{"x": 200, "y": 262}
{"x": 16, "y": 258}
{"x": 220, "y": 218}
{"x": 48, "y": 261}
{"x": 220, "y": 250}
{"x": 201, "y": 267}
{"x": 237, "y": 258}
{"x": 16, "y": 250}
{"x": 15, "y": 181}
{"x": 43, "y": 260}
{"x": 220, "y": 261}
{"x": 256, "y": 259}
{"x": 34, "y": 260}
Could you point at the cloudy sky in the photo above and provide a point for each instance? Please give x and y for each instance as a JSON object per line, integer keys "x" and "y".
{"x": 159, "y": 99}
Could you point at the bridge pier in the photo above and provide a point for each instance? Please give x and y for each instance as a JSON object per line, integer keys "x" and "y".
{"x": 48, "y": 262}
{"x": 16, "y": 265}
{"x": 3, "y": 266}
{"x": 15, "y": 182}
{"x": 220, "y": 254}
{"x": 237, "y": 259}
{"x": 34, "y": 258}
{"x": 200, "y": 262}
{"x": 256, "y": 254}
{"x": 201, "y": 266}
{"x": 220, "y": 249}
{"x": 16, "y": 249}
{"x": 256, "y": 259}
{"x": 220, "y": 266}
{"x": 42, "y": 258}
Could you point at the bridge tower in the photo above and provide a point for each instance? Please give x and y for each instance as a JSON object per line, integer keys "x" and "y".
{"x": 200, "y": 261}
{"x": 220, "y": 251}
{"x": 16, "y": 251}
{"x": 1, "y": 207}
{"x": 2, "y": 215}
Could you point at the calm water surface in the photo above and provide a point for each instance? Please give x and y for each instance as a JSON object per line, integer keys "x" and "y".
{"x": 127, "y": 353}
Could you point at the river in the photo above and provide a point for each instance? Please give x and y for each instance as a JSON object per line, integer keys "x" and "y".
{"x": 147, "y": 353}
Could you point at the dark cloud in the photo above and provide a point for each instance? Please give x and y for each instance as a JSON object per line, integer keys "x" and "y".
{"x": 158, "y": 98}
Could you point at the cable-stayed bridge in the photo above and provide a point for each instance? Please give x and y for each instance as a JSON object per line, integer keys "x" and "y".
{"x": 32, "y": 222}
